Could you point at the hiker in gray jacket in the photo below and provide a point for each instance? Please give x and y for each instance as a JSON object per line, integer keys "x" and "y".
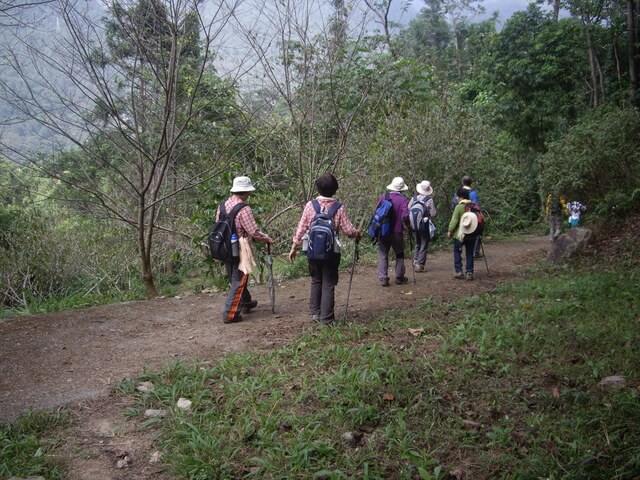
{"x": 424, "y": 197}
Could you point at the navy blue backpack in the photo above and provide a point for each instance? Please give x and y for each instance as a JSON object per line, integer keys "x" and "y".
{"x": 322, "y": 234}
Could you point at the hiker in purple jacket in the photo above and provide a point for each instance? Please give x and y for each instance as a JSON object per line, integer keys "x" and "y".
{"x": 396, "y": 239}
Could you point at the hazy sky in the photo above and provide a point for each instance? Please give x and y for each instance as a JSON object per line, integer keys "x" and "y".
{"x": 506, "y": 8}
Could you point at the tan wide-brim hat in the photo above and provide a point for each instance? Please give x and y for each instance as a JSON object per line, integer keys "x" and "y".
{"x": 425, "y": 188}
{"x": 242, "y": 184}
{"x": 468, "y": 223}
{"x": 397, "y": 185}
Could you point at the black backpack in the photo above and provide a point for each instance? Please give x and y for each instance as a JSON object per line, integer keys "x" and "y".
{"x": 220, "y": 234}
{"x": 322, "y": 234}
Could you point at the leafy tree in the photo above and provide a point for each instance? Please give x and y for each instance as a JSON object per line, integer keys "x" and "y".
{"x": 138, "y": 90}
{"x": 535, "y": 75}
{"x": 428, "y": 37}
{"x": 597, "y": 161}
{"x": 633, "y": 38}
{"x": 441, "y": 141}
{"x": 438, "y": 35}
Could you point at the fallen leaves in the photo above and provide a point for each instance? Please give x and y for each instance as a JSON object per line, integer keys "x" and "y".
{"x": 415, "y": 332}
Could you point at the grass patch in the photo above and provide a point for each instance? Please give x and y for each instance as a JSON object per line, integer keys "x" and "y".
{"x": 27, "y": 448}
{"x": 501, "y": 385}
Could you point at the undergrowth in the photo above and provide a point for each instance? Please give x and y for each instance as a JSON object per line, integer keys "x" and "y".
{"x": 512, "y": 384}
{"x": 28, "y": 447}
{"x": 538, "y": 379}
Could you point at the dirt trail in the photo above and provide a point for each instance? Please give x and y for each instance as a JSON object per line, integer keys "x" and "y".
{"x": 68, "y": 357}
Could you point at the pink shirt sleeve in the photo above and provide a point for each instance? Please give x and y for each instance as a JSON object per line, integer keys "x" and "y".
{"x": 305, "y": 222}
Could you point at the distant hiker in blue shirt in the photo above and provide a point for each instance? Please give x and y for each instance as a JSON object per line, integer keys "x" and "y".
{"x": 575, "y": 210}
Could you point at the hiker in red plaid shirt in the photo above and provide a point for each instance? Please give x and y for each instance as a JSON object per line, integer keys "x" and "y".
{"x": 239, "y": 299}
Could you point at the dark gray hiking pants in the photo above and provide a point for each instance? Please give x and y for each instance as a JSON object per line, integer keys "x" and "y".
{"x": 395, "y": 242}
{"x": 324, "y": 278}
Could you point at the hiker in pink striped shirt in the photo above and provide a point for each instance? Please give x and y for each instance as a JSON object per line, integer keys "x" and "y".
{"x": 324, "y": 273}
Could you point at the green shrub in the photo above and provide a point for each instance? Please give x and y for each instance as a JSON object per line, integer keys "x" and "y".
{"x": 597, "y": 162}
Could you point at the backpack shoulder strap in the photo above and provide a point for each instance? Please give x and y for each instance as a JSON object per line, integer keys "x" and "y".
{"x": 232, "y": 214}
{"x": 316, "y": 205}
{"x": 421, "y": 202}
{"x": 236, "y": 209}
{"x": 334, "y": 209}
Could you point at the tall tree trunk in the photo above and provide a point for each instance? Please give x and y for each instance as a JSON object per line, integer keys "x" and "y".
{"x": 632, "y": 26}
{"x": 556, "y": 9}
{"x": 456, "y": 36}
{"x": 593, "y": 63}
{"x": 144, "y": 249}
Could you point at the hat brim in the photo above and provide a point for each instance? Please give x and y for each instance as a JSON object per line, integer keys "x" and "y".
{"x": 424, "y": 191}
{"x": 393, "y": 188}
{"x": 242, "y": 189}
{"x": 468, "y": 223}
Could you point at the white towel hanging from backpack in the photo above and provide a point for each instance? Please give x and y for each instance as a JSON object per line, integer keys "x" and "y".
{"x": 246, "y": 256}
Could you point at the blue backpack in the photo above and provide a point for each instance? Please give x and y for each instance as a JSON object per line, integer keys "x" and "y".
{"x": 380, "y": 223}
{"x": 322, "y": 234}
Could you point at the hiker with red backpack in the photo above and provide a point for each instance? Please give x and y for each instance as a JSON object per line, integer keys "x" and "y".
{"x": 467, "y": 180}
{"x": 245, "y": 229}
{"x": 322, "y": 219}
{"x": 465, "y": 226}
{"x": 421, "y": 210}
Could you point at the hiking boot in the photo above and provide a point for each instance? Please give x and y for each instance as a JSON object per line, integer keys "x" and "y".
{"x": 236, "y": 319}
{"x": 314, "y": 317}
{"x": 478, "y": 255}
{"x": 459, "y": 275}
{"x": 468, "y": 276}
{"x": 419, "y": 269}
{"x": 402, "y": 280}
{"x": 247, "y": 307}
{"x": 384, "y": 282}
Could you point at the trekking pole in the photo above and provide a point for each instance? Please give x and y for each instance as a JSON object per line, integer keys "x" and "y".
{"x": 484, "y": 255}
{"x": 356, "y": 256}
{"x": 272, "y": 285}
{"x": 413, "y": 266}
{"x": 353, "y": 268}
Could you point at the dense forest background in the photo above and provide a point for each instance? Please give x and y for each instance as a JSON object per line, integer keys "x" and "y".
{"x": 124, "y": 123}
